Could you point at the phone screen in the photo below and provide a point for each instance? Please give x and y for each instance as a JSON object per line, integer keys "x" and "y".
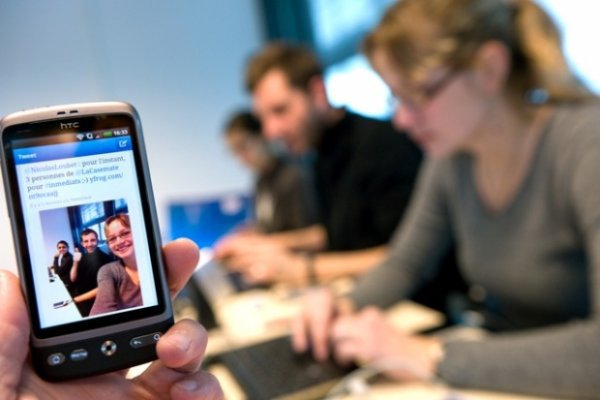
{"x": 79, "y": 194}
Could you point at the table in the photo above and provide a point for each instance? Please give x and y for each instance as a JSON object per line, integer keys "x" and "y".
{"x": 56, "y": 292}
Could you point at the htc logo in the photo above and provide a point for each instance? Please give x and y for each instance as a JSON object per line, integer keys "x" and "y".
{"x": 69, "y": 125}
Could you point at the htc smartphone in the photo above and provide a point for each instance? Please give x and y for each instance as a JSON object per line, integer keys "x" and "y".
{"x": 67, "y": 171}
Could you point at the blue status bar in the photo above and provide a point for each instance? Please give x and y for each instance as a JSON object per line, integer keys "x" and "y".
{"x": 70, "y": 150}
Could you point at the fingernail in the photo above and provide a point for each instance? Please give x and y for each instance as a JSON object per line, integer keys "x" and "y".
{"x": 188, "y": 385}
{"x": 181, "y": 341}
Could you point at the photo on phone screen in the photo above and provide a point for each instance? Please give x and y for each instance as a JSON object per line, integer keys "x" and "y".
{"x": 103, "y": 259}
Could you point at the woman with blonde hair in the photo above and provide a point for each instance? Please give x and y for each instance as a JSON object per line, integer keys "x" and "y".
{"x": 513, "y": 146}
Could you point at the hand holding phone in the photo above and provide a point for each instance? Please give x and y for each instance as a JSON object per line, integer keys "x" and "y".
{"x": 67, "y": 171}
{"x": 176, "y": 375}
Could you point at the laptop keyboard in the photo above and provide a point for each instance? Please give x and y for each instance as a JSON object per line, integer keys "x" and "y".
{"x": 272, "y": 369}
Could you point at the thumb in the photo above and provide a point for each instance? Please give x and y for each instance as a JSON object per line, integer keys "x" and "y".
{"x": 14, "y": 331}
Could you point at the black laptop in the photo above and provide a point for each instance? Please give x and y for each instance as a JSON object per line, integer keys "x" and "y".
{"x": 272, "y": 370}
{"x": 266, "y": 370}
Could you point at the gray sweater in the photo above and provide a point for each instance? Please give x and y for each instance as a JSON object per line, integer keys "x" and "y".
{"x": 116, "y": 290}
{"x": 538, "y": 261}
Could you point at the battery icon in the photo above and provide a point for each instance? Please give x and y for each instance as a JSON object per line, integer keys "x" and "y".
{"x": 107, "y": 134}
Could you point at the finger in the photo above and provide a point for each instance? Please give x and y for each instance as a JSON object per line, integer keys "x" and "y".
{"x": 182, "y": 347}
{"x": 348, "y": 350}
{"x": 320, "y": 306}
{"x": 181, "y": 258}
{"x": 346, "y": 346}
{"x": 300, "y": 333}
{"x": 180, "y": 351}
{"x": 230, "y": 245}
{"x": 223, "y": 248}
{"x": 257, "y": 274}
{"x": 14, "y": 331}
{"x": 201, "y": 385}
{"x": 238, "y": 262}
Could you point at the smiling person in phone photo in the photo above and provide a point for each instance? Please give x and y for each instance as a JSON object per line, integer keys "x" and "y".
{"x": 118, "y": 281}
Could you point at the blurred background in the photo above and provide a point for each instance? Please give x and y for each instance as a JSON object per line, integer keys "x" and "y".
{"x": 181, "y": 64}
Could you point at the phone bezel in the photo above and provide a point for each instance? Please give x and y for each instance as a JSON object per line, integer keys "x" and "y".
{"x": 97, "y": 117}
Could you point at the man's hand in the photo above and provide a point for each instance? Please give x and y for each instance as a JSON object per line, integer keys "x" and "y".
{"x": 175, "y": 375}
{"x": 76, "y": 255}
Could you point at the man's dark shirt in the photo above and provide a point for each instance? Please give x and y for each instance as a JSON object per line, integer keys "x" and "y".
{"x": 87, "y": 277}
{"x": 364, "y": 173}
{"x": 290, "y": 195}
{"x": 63, "y": 269}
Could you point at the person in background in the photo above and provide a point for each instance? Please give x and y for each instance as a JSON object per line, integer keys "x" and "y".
{"x": 363, "y": 172}
{"x": 84, "y": 274}
{"x": 118, "y": 281}
{"x": 283, "y": 196}
{"x": 62, "y": 263}
{"x": 176, "y": 375}
{"x": 513, "y": 153}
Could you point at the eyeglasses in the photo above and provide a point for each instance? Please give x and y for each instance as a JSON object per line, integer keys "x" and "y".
{"x": 422, "y": 96}
{"x": 126, "y": 234}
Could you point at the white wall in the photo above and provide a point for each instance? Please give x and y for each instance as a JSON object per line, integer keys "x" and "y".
{"x": 55, "y": 227}
{"x": 578, "y": 22}
{"x": 179, "y": 62}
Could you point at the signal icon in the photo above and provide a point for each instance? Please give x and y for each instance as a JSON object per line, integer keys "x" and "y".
{"x": 80, "y": 136}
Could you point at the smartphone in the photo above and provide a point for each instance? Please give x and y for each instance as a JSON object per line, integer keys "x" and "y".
{"x": 78, "y": 174}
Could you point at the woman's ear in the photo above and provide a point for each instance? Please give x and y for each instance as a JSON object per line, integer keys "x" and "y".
{"x": 492, "y": 66}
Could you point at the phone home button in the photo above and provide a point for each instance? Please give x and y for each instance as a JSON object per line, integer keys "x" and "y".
{"x": 108, "y": 348}
{"x": 55, "y": 359}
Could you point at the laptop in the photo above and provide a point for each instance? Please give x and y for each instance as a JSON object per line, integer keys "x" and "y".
{"x": 272, "y": 370}
{"x": 205, "y": 220}
{"x": 265, "y": 370}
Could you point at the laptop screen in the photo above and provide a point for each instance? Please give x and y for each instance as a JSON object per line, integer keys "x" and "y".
{"x": 206, "y": 220}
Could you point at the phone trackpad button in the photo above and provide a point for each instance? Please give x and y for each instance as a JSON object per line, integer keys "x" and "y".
{"x": 108, "y": 348}
{"x": 145, "y": 340}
